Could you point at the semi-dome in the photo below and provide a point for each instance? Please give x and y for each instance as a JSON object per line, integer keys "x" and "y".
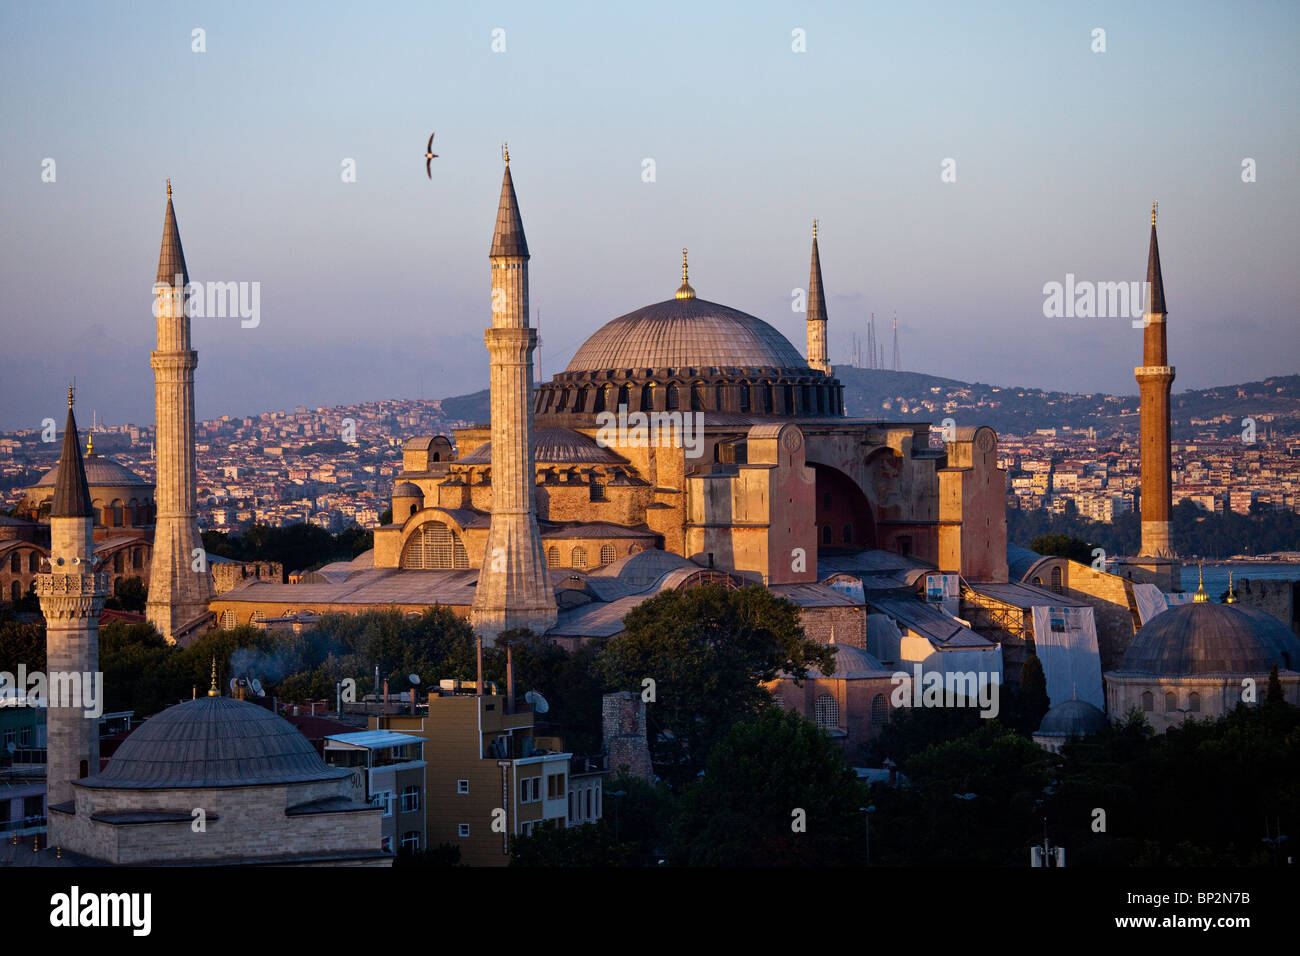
{"x": 686, "y": 332}
{"x": 555, "y": 445}
{"x": 407, "y": 489}
{"x": 1207, "y": 639}
{"x": 1072, "y": 718}
{"x": 212, "y": 742}
{"x": 100, "y": 472}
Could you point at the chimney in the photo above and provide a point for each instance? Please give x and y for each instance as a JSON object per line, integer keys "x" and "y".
{"x": 510, "y": 678}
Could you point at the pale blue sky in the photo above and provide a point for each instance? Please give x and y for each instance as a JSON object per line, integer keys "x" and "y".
{"x": 378, "y": 288}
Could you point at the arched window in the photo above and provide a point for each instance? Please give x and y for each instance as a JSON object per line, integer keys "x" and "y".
{"x": 744, "y": 398}
{"x": 15, "y": 563}
{"x": 33, "y": 562}
{"x": 256, "y": 618}
{"x": 648, "y": 397}
{"x": 1171, "y": 702}
{"x": 1194, "y": 702}
{"x": 434, "y": 546}
{"x": 848, "y": 534}
{"x": 1148, "y": 702}
{"x": 137, "y": 557}
{"x": 671, "y": 398}
{"x": 578, "y": 557}
{"x": 580, "y": 403}
{"x": 697, "y": 398}
{"x": 563, "y": 400}
{"x": 606, "y": 554}
{"x": 826, "y": 713}
{"x": 228, "y": 620}
{"x": 826, "y": 534}
{"x": 767, "y": 397}
{"x": 623, "y": 397}
{"x": 879, "y": 709}
{"x": 552, "y": 557}
{"x": 117, "y": 512}
{"x": 118, "y": 563}
{"x": 15, "y": 592}
{"x": 602, "y": 398}
{"x": 789, "y": 399}
{"x": 1056, "y": 579}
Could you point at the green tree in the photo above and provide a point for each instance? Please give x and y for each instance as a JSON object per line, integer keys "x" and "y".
{"x": 775, "y": 792}
{"x": 130, "y": 594}
{"x": 591, "y": 844}
{"x": 1063, "y": 546}
{"x": 706, "y": 649}
{"x": 1032, "y": 702}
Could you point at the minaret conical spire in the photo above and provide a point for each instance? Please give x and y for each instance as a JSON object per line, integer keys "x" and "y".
{"x": 171, "y": 257}
{"x": 508, "y": 239}
{"x": 71, "y": 492}
{"x": 1155, "y": 283}
{"x": 818, "y": 357}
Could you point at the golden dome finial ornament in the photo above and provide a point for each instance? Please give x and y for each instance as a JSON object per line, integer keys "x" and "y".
{"x": 685, "y": 291}
{"x": 1200, "y": 597}
{"x": 1155, "y": 206}
{"x": 505, "y": 152}
{"x": 169, "y": 187}
{"x": 90, "y": 444}
{"x": 212, "y": 691}
{"x": 71, "y": 388}
{"x": 1232, "y": 595}
{"x": 814, "y": 228}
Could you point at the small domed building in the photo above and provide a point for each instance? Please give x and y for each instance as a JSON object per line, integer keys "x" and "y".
{"x": 1194, "y": 660}
{"x": 265, "y": 794}
{"x": 1067, "y": 720}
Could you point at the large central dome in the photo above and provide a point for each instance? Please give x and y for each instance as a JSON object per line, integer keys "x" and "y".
{"x": 686, "y": 332}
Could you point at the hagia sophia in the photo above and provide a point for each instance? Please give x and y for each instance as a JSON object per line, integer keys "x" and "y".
{"x": 895, "y": 550}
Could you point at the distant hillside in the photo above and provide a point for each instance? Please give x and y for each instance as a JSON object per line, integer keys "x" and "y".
{"x": 1016, "y": 410}
{"x": 468, "y": 408}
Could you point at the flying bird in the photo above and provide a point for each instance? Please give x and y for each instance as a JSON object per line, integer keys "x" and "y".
{"x": 429, "y": 157}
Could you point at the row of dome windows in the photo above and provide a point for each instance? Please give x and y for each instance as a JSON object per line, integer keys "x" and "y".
{"x": 826, "y": 711}
{"x": 751, "y": 397}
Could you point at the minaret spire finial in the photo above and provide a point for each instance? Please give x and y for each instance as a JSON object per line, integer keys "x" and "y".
{"x": 1155, "y": 207}
{"x": 212, "y": 691}
{"x": 90, "y": 443}
{"x": 1201, "y": 597}
{"x": 684, "y": 291}
{"x": 169, "y": 187}
{"x": 1232, "y": 595}
{"x": 814, "y": 228}
{"x": 71, "y": 388}
{"x": 505, "y": 152}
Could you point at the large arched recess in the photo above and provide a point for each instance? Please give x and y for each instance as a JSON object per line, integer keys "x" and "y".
{"x": 842, "y": 506}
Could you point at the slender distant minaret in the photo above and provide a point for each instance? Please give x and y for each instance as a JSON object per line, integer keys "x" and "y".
{"x": 72, "y": 594}
{"x": 179, "y": 583}
{"x": 514, "y": 587}
{"x": 1155, "y": 377}
{"x": 817, "y": 358}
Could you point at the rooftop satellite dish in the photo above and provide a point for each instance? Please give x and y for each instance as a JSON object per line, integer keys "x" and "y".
{"x": 539, "y": 703}
{"x": 413, "y": 678}
{"x": 257, "y": 688}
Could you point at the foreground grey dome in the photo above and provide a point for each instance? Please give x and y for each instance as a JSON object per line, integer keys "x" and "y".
{"x": 686, "y": 333}
{"x": 212, "y": 742}
{"x": 1073, "y": 718}
{"x": 1210, "y": 639}
{"x": 100, "y": 472}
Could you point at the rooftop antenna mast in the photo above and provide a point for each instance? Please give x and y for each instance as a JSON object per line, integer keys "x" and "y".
{"x": 871, "y": 341}
{"x": 895, "y": 341}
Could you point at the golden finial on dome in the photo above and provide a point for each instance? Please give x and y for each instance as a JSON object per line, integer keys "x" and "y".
{"x": 71, "y": 387}
{"x": 685, "y": 291}
{"x": 1200, "y": 597}
{"x": 90, "y": 444}
{"x": 1155, "y": 206}
{"x": 169, "y": 187}
{"x": 1232, "y": 595}
{"x": 505, "y": 152}
{"x": 212, "y": 691}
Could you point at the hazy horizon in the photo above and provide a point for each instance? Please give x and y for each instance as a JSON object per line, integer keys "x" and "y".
{"x": 379, "y": 288}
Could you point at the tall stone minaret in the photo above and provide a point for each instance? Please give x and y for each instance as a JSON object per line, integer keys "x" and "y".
{"x": 514, "y": 588}
{"x": 179, "y": 583}
{"x": 817, "y": 358}
{"x": 72, "y": 594}
{"x": 1155, "y": 377}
